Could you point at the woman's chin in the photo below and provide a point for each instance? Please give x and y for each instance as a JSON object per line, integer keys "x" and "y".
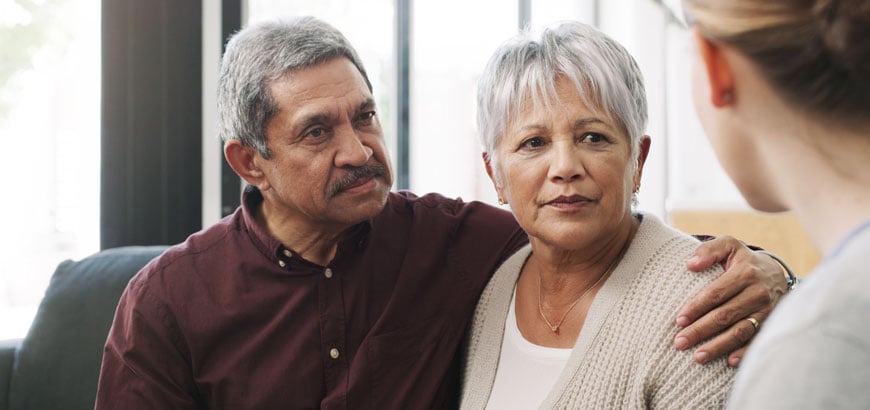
{"x": 763, "y": 202}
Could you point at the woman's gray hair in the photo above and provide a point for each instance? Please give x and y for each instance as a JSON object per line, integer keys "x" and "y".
{"x": 262, "y": 53}
{"x": 604, "y": 73}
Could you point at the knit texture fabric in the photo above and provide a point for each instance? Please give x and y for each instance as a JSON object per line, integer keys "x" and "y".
{"x": 624, "y": 356}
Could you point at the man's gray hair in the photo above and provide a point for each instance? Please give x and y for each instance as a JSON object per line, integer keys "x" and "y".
{"x": 262, "y": 53}
{"x": 604, "y": 73}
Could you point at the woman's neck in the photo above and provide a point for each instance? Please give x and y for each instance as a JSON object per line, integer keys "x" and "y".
{"x": 822, "y": 174}
{"x": 576, "y": 268}
{"x": 557, "y": 286}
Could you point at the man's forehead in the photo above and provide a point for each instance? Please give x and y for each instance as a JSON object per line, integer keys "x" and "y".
{"x": 334, "y": 72}
{"x": 329, "y": 86}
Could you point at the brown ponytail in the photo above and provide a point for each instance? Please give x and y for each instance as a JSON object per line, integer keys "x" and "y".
{"x": 815, "y": 53}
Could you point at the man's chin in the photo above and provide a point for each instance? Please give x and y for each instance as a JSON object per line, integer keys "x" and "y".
{"x": 364, "y": 204}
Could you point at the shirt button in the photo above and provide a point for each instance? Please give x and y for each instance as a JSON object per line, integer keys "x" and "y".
{"x": 287, "y": 253}
{"x": 327, "y": 273}
{"x": 333, "y": 353}
{"x": 281, "y": 264}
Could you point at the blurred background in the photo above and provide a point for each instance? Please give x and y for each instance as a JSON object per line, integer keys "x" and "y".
{"x": 108, "y": 119}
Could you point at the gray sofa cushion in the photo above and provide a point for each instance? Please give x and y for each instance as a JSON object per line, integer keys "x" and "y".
{"x": 58, "y": 364}
{"x": 7, "y": 357}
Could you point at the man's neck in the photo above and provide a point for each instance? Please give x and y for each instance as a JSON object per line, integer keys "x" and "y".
{"x": 317, "y": 244}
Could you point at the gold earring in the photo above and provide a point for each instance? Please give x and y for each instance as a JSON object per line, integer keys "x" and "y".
{"x": 501, "y": 201}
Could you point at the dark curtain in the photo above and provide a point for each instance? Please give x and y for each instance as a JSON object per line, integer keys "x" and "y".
{"x": 151, "y": 121}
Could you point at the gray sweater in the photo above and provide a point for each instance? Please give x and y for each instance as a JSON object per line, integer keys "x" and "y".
{"x": 624, "y": 356}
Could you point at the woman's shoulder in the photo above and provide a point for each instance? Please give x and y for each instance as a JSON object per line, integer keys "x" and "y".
{"x": 658, "y": 260}
{"x": 660, "y": 248}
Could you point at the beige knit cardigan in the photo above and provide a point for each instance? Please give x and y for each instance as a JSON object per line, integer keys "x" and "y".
{"x": 624, "y": 357}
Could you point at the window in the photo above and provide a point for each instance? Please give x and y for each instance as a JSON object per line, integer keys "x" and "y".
{"x": 49, "y": 127}
{"x": 448, "y": 52}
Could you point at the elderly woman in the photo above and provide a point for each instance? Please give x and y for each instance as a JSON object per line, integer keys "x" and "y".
{"x": 583, "y": 316}
{"x": 783, "y": 91}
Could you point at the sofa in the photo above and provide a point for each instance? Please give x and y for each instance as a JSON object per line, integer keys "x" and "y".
{"x": 57, "y": 365}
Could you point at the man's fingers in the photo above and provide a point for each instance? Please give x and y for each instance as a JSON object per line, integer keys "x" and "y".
{"x": 750, "y": 301}
{"x": 710, "y": 252}
{"x": 715, "y": 294}
{"x": 729, "y": 341}
{"x": 749, "y": 287}
{"x": 735, "y": 357}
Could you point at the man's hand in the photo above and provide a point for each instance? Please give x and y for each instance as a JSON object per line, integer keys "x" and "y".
{"x": 751, "y": 286}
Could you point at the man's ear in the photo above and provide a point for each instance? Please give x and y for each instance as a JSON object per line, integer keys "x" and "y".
{"x": 244, "y": 161}
{"x": 720, "y": 77}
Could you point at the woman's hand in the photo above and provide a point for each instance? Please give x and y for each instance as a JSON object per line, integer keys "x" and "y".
{"x": 751, "y": 286}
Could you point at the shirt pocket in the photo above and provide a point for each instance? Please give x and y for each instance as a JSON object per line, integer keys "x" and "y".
{"x": 414, "y": 366}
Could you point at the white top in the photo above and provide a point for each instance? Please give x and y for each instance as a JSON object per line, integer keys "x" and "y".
{"x": 526, "y": 372}
{"x": 624, "y": 357}
{"x": 814, "y": 350}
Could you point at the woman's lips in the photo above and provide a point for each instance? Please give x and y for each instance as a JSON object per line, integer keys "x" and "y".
{"x": 570, "y": 202}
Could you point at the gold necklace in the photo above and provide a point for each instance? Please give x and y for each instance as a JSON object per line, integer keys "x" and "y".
{"x": 555, "y": 328}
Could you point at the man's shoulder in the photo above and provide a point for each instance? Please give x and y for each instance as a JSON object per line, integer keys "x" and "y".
{"x": 435, "y": 205}
{"x": 466, "y": 228}
{"x": 205, "y": 248}
{"x": 433, "y": 200}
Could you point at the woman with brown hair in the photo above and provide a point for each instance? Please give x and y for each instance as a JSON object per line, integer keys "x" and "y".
{"x": 783, "y": 91}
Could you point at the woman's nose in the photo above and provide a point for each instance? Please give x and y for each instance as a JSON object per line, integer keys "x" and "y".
{"x": 566, "y": 164}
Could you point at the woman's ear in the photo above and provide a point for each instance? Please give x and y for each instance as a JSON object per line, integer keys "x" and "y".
{"x": 720, "y": 77}
{"x": 243, "y": 160}
{"x": 487, "y": 163}
{"x": 643, "y": 152}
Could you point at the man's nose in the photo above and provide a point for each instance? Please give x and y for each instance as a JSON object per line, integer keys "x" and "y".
{"x": 352, "y": 151}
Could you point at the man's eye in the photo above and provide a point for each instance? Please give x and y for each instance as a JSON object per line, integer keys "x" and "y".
{"x": 317, "y": 132}
{"x": 366, "y": 118}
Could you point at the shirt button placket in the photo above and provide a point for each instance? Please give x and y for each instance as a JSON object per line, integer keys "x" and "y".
{"x": 332, "y": 331}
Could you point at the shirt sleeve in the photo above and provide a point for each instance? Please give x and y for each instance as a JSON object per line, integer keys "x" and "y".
{"x": 821, "y": 367}
{"x": 143, "y": 366}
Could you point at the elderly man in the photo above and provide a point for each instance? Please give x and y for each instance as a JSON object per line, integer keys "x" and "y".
{"x": 325, "y": 290}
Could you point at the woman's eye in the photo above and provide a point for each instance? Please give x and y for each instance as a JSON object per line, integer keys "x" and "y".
{"x": 533, "y": 142}
{"x": 593, "y": 137}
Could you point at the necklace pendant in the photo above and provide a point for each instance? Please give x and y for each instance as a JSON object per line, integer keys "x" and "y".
{"x": 555, "y": 329}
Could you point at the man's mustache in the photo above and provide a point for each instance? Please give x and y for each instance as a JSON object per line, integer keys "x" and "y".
{"x": 375, "y": 169}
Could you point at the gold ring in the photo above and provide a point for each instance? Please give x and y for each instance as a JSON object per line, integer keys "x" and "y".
{"x": 753, "y": 321}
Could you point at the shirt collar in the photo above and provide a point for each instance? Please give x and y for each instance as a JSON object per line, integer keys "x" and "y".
{"x": 354, "y": 240}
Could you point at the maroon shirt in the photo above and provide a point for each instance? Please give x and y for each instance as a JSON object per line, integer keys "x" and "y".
{"x": 232, "y": 319}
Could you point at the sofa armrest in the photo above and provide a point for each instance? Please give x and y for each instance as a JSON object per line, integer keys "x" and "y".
{"x": 7, "y": 360}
